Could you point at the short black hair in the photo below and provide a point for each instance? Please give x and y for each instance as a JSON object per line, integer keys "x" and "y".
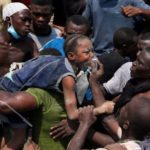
{"x": 42, "y": 2}
{"x": 79, "y": 20}
{"x": 50, "y": 51}
{"x": 124, "y": 37}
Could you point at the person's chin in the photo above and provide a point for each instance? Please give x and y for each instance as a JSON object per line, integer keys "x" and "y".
{"x": 39, "y": 25}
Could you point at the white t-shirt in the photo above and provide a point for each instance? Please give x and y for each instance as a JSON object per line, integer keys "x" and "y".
{"x": 116, "y": 84}
{"x": 129, "y": 145}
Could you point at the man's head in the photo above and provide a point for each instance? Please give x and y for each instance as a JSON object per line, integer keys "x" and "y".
{"x": 141, "y": 66}
{"x": 18, "y": 17}
{"x": 42, "y": 11}
{"x": 134, "y": 116}
{"x": 78, "y": 49}
{"x": 125, "y": 41}
{"x": 77, "y": 24}
{"x": 143, "y": 41}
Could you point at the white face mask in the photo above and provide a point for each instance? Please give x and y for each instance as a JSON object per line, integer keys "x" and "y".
{"x": 13, "y": 32}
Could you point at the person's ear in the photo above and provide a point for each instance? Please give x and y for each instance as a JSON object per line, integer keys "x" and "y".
{"x": 71, "y": 56}
{"x": 64, "y": 33}
{"x": 8, "y": 20}
{"x": 126, "y": 125}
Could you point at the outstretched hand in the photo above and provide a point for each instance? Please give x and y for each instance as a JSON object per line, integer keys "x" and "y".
{"x": 108, "y": 106}
{"x": 62, "y": 129}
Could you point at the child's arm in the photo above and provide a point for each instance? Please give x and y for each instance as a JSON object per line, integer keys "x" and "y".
{"x": 68, "y": 84}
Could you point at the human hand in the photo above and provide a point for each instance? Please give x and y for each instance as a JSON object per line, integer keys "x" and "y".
{"x": 131, "y": 10}
{"x": 97, "y": 70}
{"x": 30, "y": 145}
{"x": 61, "y": 130}
{"x": 4, "y": 51}
{"x": 108, "y": 106}
{"x": 86, "y": 115}
{"x": 15, "y": 65}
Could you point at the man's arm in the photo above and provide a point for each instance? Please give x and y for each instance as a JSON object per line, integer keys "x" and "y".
{"x": 20, "y": 101}
{"x": 86, "y": 119}
{"x": 109, "y": 122}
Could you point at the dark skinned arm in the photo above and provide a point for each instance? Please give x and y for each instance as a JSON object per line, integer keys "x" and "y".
{"x": 20, "y": 101}
{"x": 109, "y": 122}
{"x": 86, "y": 119}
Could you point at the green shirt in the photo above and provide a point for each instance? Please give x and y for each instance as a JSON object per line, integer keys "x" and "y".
{"x": 50, "y": 111}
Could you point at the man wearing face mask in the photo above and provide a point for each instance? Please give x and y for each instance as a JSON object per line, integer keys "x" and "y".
{"x": 16, "y": 26}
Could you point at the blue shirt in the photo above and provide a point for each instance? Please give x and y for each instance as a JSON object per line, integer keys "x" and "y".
{"x": 43, "y": 72}
{"x": 106, "y": 17}
{"x": 57, "y": 43}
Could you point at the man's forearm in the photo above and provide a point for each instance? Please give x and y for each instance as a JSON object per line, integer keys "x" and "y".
{"x": 79, "y": 138}
{"x": 98, "y": 95}
{"x": 100, "y": 138}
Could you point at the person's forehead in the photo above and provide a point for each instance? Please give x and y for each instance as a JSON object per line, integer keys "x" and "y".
{"x": 84, "y": 42}
{"x": 72, "y": 25}
{"x": 22, "y": 13}
{"x": 39, "y": 8}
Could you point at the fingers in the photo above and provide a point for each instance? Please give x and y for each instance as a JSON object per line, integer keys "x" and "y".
{"x": 86, "y": 115}
{"x": 131, "y": 11}
{"x": 86, "y": 109}
{"x": 109, "y": 106}
{"x": 60, "y": 134}
{"x": 57, "y": 131}
{"x": 4, "y": 45}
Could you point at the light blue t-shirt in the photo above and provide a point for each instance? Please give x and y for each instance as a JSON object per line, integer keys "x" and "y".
{"x": 106, "y": 17}
{"x": 42, "y": 40}
{"x": 57, "y": 43}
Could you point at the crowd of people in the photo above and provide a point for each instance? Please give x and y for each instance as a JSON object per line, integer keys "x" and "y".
{"x": 75, "y": 75}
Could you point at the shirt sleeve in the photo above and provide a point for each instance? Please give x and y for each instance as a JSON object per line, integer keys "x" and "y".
{"x": 141, "y": 4}
{"x": 116, "y": 84}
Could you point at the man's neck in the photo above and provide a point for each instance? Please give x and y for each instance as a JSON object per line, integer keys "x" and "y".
{"x": 42, "y": 32}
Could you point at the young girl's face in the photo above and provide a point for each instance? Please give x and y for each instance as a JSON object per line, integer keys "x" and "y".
{"x": 84, "y": 51}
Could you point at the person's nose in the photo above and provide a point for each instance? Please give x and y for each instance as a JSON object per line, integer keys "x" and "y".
{"x": 28, "y": 23}
{"x": 41, "y": 18}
